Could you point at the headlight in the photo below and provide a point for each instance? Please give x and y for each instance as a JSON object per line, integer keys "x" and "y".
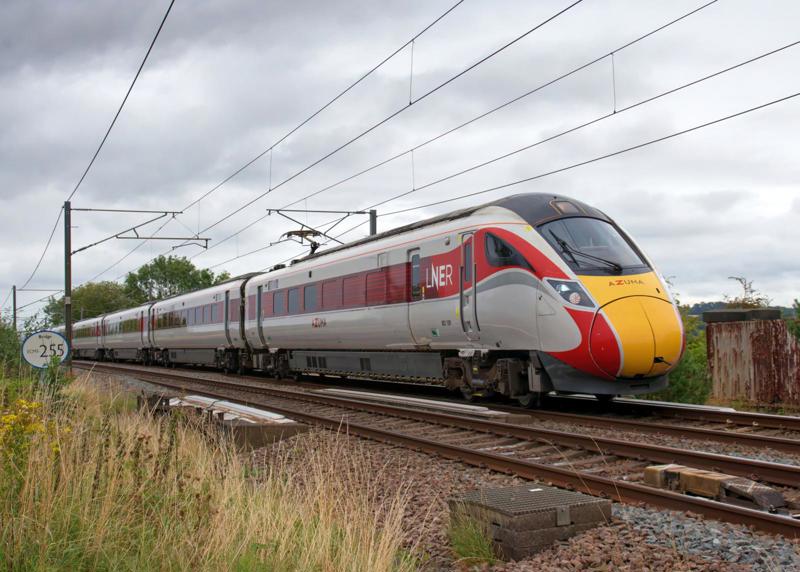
{"x": 572, "y": 292}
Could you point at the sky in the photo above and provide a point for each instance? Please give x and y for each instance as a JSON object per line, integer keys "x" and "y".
{"x": 226, "y": 80}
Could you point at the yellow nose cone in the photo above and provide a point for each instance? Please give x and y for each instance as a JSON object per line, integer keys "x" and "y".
{"x": 649, "y": 332}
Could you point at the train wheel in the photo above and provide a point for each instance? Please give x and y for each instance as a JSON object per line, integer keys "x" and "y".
{"x": 604, "y": 399}
{"x": 468, "y": 393}
{"x": 530, "y": 400}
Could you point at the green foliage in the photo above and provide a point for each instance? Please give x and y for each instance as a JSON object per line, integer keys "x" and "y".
{"x": 168, "y": 276}
{"x": 9, "y": 347}
{"x": 89, "y": 300}
{"x": 469, "y": 540}
{"x": 690, "y": 381}
{"x": 794, "y": 324}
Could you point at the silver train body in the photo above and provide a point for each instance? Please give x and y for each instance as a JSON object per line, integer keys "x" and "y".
{"x": 482, "y": 300}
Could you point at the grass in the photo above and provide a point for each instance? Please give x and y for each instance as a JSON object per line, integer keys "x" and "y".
{"x": 90, "y": 483}
{"x": 470, "y": 541}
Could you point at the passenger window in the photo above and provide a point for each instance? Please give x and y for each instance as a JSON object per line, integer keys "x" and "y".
{"x": 500, "y": 253}
{"x": 279, "y": 303}
{"x": 214, "y": 313}
{"x": 468, "y": 262}
{"x": 294, "y": 301}
{"x": 310, "y": 298}
{"x": 416, "y": 288}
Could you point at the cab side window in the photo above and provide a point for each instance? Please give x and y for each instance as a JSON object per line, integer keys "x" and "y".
{"x": 499, "y": 253}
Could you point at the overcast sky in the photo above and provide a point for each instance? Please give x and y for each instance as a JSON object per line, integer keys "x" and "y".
{"x": 227, "y": 79}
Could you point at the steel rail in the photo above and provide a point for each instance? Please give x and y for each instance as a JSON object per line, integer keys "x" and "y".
{"x": 619, "y": 490}
{"x": 750, "y": 439}
{"x": 744, "y": 418}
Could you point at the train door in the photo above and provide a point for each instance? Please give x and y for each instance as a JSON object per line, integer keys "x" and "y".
{"x": 260, "y": 314}
{"x": 228, "y": 316}
{"x": 151, "y": 326}
{"x": 468, "y": 288}
{"x": 141, "y": 327}
{"x": 415, "y": 286}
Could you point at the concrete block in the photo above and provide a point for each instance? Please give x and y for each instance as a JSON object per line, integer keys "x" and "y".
{"x": 703, "y": 483}
{"x": 711, "y": 484}
{"x": 247, "y": 435}
{"x": 527, "y": 518}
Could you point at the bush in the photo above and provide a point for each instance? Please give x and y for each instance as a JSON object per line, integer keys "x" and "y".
{"x": 9, "y": 347}
{"x": 690, "y": 381}
{"x": 794, "y": 324}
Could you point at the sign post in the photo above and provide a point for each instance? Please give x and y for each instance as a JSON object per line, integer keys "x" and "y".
{"x": 40, "y": 348}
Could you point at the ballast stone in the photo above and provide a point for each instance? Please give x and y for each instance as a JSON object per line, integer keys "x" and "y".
{"x": 525, "y": 519}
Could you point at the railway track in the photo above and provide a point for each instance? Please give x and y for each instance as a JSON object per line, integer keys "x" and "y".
{"x": 758, "y": 430}
{"x": 608, "y": 467}
{"x": 780, "y": 433}
{"x": 707, "y": 415}
{"x": 721, "y": 435}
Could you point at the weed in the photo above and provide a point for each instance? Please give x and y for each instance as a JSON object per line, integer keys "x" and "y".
{"x": 470, "y": 540}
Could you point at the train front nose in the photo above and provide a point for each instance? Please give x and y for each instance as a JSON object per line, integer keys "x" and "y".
{"x": 641, "y": 336}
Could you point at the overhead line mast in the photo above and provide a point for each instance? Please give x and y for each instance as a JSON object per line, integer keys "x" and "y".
{"x": 102, "y": 142}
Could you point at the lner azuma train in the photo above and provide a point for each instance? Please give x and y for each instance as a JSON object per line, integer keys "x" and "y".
{"x": 520, "y": 296}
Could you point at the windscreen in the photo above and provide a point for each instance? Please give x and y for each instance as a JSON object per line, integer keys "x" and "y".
{"x": 591, "y": 244}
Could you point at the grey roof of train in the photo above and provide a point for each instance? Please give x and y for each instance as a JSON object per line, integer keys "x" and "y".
{"x": 534, "y": 208}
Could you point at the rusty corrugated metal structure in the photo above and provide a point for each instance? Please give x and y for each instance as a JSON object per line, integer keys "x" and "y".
{"x": 752, "y": 359}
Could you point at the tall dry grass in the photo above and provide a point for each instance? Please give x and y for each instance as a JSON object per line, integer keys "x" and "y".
{"x": 102, "y": 487}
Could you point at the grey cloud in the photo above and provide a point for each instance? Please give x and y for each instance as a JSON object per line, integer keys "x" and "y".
{"x": 227, "y": 79}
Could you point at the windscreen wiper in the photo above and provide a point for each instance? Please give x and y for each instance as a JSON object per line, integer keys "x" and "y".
{"x": 573, "y": 251}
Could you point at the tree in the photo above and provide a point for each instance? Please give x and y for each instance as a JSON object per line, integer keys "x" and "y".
{"x": 168, "y": 276}
{"x": 89, "y": 300}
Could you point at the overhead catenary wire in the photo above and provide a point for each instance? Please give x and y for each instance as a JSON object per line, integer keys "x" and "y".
{"x": 131, "y": 251}
{"x": 598, "y": 158}
{"x": 375, "y": 126}
{"x": 576, "y": 165}
{"x": 394, "y": 114}
{"x": 479, "y": 117}
{"x": 578, "y": 127}
{"x": 588, "y": 161}
{"x": 323, "y": 108}
{"x": 588, "y": 123}
{"x": 304, "y": 122}
{"x": 102, "y": 142}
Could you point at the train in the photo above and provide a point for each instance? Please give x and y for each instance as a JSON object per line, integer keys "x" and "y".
{"x": 525, "y": 295}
